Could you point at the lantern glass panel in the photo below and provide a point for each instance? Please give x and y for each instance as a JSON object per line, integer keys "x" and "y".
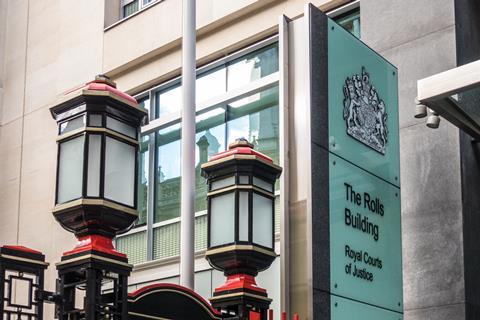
{"x": 262, "y": 220}
{"x": 70, "y": 169}
{"x": 94, "y": 154}
{"x": 222, "y": 219}
{"x": 243, "y": 216}
{"x": 262, "y": 184}
{"x": 121, "y": 127}
{"x": 243, "y": 180}
{"x": 119, "y": 171}
{"x": 95, "y": 120}
{"x": 222, "y": 183}
{"x": 72, "y": 124}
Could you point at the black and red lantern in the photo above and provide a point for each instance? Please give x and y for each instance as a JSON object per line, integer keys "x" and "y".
{"x": 241, "y": 200}
{"x": 96, "y": 199}
{"x": 98, "y": 128}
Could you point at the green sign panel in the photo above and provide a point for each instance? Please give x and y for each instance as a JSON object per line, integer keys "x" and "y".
{"x": 362, "y": 105}
{"x": 365, "y": 236}
{"x": 364, "y": 176}
{"x": 355, "y": 192}
{"x": 344, "y": 309}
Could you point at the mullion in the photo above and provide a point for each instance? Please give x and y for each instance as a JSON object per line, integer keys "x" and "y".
{"x": 86, "y": 142}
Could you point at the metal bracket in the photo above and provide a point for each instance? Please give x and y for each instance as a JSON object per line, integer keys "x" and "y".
{"x": 47, "y": 296}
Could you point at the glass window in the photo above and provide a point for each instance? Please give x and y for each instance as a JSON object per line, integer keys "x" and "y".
{"x": 200, "y": 233}
{"x": 144, "y": 103}
{"x": 94, "y": 154}
{"x": 70, "y": 170}
{"x": 169, "y": 101}
{"x": 210, "y": 84}
{"x": 243, "y": 180}
{"x": 168, "y": 174}
{"x": 95, "y": 120}
{"x": 143, "y": 180}
{"x": 210, "y": 140}
{"x": 243, "y": 216}
{"x": 222, "y": 219}
{"x": 252, "y": 67}
{"x": 119, "y": 171}
{"x": 222, "y": 183}
{"x": 121, "y": 127}
{"x": 72, "y": 124}
{"x": 256, "y": 119}
{"x": 134, "y": 246}
{"x": 262, "y": 220}
{"x": 262, "y": 184}
{"x": 350, "y": 21}
{"x": 130, "y": 7}
{"x": 166, "y": 241}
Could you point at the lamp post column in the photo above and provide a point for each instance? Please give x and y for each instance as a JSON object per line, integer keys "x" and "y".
{"x": 187, "y": 221}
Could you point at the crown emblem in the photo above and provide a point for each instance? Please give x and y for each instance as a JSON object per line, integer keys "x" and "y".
{"x": 364, "y": 112}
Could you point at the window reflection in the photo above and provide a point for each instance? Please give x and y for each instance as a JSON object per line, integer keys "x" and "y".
{"x": 142, "y": 189}
{"x": 210, "y": 84}
{"x": 168, "y": 174}
{"x": 169, "y": 101}
{"x": 256, "y": 119}
{"x": 351, "y": 22}
{"x": 216, "y": 82}
{"x": 252, "y": 67}
{"x": 210, "y": 140}
{"x": 144, "y": 103}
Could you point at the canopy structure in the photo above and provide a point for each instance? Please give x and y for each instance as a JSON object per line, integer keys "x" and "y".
{"x": 444, "y": 94}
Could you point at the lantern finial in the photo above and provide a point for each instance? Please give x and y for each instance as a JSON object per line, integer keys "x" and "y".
{"x": 240, "y": 142}
{"x": 101, "y": 78}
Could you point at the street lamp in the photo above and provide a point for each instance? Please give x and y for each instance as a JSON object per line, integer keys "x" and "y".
{"x": 98, "y": 128}
{"x": 97, "y": 166}
{"x": 241, "y": 184}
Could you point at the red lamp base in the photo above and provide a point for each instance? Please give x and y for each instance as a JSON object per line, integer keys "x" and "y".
{"x": 240, "y": 283}
{"x": 241, "y": 295}
{"x": 96, "y": 243}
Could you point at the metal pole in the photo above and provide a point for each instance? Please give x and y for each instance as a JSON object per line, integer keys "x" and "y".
{"x": 188, "y": 146}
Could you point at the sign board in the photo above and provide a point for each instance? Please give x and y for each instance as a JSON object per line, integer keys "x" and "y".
{"x": 356, "y": 215}
{"x": 345, "y": 309}
{"x": 362, "y": 105}
{"x": 365, "y": 236}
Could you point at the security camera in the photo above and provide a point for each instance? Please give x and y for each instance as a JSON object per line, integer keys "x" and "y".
{"x": 420, "y": 110}
{"x": 433, "y": 120}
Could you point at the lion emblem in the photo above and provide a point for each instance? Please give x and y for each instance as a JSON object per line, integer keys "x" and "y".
{"x": 364, "y": 112}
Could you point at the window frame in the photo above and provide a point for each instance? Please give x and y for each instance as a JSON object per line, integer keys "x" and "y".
{"x": 156, "y": 124}
{"x": 141, "y": 6}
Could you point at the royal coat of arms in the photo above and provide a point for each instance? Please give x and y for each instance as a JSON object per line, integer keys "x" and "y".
{"x": 364, "y": 112}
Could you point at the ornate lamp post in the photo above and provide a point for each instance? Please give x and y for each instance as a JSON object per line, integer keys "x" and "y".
{"x": 95, "y": 194}
{"x": 241, "y": 184}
